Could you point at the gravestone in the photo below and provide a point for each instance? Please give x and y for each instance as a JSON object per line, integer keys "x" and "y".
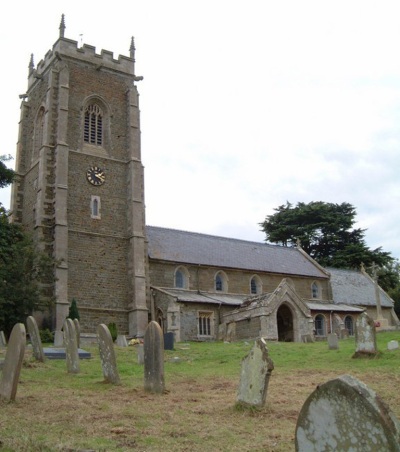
{"x": 169, "y": 341}
{"x": 71, "y": 347}
{"x": 78, "y": 332}
{"x": 365, "y": 336}
{"x": 333, "y": 341}
{"x": 254, "y": 377}
{"x": 345, "y": 415}
{"x": 107, "y": 355}
{"x": 121, "y": 340}
{"x": 393, "y": 345}
{"x": 140, "y": 354}
{"x": 34, "y": 336}
{"x": 3, "y": 342}
{"x": 153, "y": 344}
{"x": 13, "y": 362}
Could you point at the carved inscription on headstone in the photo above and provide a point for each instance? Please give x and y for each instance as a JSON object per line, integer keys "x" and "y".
{"x": 254, "y": 378}
{"x": 154, "y": 359}
{"x": 34, "y": 335}
{"x": 345, "y": 415}
{"x": 71, "y": 347}
{"x": 107, "y": 355}
{"x": 13, "y": 362}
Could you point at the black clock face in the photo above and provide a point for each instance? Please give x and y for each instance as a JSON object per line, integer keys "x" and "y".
{"x": 95, "y": 175}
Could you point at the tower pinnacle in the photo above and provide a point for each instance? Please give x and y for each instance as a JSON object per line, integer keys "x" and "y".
{"x": 62, "y": 26}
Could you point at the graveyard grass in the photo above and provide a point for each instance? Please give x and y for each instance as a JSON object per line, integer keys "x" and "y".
{"x": 57, "y": 411}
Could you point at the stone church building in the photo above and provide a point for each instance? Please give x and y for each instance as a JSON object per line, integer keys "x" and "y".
{"x": 80, "y": 192}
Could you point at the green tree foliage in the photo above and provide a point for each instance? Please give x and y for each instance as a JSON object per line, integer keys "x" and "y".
{"x": 22, "y": 268}
{"x": 73, "y": 310}
{"x": 6, "y": 174}
{"x": 326, "y": 232}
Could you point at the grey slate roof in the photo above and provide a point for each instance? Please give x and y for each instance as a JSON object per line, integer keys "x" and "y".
{"x": 332, "y": 307}
{"x": 192, "y": 296}
{"x": 201, "y": 249}
{"x": 356, "y": 288}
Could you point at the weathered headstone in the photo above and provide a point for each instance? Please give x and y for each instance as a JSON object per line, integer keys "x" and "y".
{"x": 140, "y": 354}
{"x": 154, "y": 359}
{"x": 365, "y": 336}
{"x": 78, "y": 332}
{"x": 393, "y": 345}
{"x": 71, "y": 347}
{"x": 121, "y": 341}
{"x": 107, "y": 355}
{"x": 3, "y": 342}
{"x": 345, "y": 415}
{"x": 13, "y": 362}
{"x": 168, "y": 341}
{"x": 34, "y": 335}
{"x": 254, "y": 377}
{"x": 333, "y": 341}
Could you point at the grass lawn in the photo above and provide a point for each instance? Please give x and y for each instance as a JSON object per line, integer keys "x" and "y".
{"x": 57, "y": 411}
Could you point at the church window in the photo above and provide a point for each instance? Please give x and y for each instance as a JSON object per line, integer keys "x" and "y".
{"x": 221, "y": 284}
{"x": 349, "y": 325}
{"x": 181, "y": 278}
{"x": 93, "y": 127}
{"x": 255, "y": 285}
{"x": 319, "y": 325}
{"x": 315, "y": 290}
{"x": 95, "y": 207}
{"x": 205, "y": 323}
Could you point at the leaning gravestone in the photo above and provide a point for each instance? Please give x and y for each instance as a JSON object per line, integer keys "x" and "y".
{"x": 107, "y": 355}
{"x": 345, "y": 415}
{"x": 78, "y": 332}
{"x": 365, "y": 336}
{"x": 13, "y": 363}
{"x": 254, "y": 378}
{"x": 153, "y": 344}
{"x": 71, "y": 347}
{"x": 121, "y": 340}
{"x": 34, "y": 335}
{"x": 333, "y": 341}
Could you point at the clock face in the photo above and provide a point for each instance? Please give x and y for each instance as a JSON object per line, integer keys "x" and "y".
{"x": 95, "y": 175}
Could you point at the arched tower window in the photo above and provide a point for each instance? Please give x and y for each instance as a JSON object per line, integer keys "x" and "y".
{"x": 93, "y": 126}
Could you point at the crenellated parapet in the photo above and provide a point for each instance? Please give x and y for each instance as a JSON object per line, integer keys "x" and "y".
{"x": 69, "y": 50}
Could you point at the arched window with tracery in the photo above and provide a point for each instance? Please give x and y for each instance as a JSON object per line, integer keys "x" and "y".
{"x": 93, "y": 126}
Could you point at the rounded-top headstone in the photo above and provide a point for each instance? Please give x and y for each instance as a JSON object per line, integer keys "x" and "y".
{"x": 344, "y": 414}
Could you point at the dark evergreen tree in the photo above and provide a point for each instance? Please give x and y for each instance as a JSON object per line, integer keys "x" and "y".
{"x": 73, "y": 310}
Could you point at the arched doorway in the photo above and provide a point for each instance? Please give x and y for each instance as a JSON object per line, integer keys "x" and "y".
{"x": 284, "y": 320}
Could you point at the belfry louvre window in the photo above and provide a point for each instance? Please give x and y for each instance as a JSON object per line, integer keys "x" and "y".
{"x": 205, "y": 323}
{"x": 93, "y": 129}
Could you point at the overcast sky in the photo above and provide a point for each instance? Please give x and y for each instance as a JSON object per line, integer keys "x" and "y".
{"x": 244, "y": 104}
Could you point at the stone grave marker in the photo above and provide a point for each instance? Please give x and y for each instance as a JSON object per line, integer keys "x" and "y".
{"x": 333, "y": 341}
{"x": 345, "y": 415}
{"x": 107, "y": 355}
{"x": 13, "y": 362}
{"x": 393, "y": 345}
{"x": 121, "y": 340}
{"x": 254, "y": 377}
{"x": 3, "y": 342}
{"x": 78, "y": 332}
{"x": 154, "y": 358}
{"x": 365, "y": 336}
{"x": 71, "y": 347}
{"x": 34, "y": 336}
{"x": 140, "y": 354}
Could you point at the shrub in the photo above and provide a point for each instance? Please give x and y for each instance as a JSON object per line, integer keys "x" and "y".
{"x": 113, "y": 330}
{"x": 46, "y": 336}
{"x": 73, "y": 310}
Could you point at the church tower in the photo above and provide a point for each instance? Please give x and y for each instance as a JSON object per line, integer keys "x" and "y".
{"x": 80, "y": 182}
